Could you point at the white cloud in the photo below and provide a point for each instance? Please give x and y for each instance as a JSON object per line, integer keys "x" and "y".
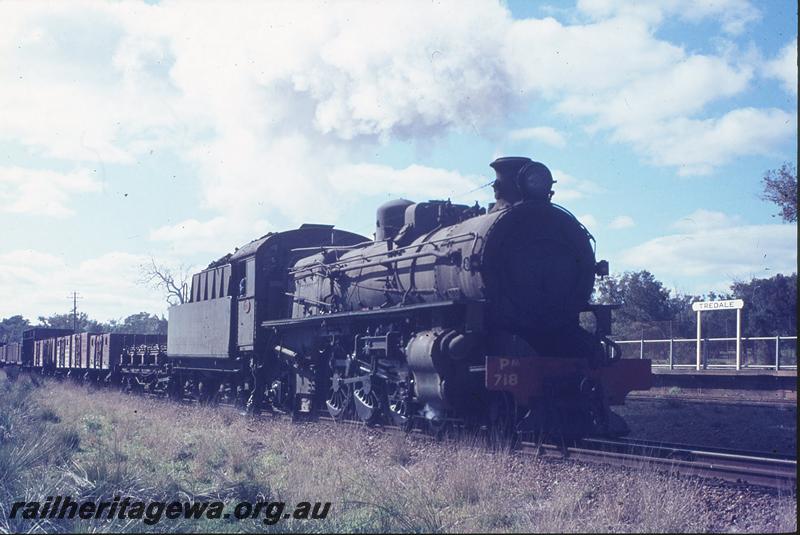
{"x": 416, "y": 182}
{"x": 545, "y": 134}
{"x": 36, "y": 283}
{"x": 784, "y": 67}
{"x": 618, "y": 76}
{"x": 734, "y": 14}
{"x": 66, "y": 87}
{"x": 416, "y": 76}
{"x": 271, "y": 101}
{"x": 589, "y": 222}
{"x": 219, "y": 235}
{"x": 698, "y": 146}
{"x": 289, "y": 108}
{"x": 569, "y": 188}
{"x": 681, "y": 89}
{"x": 621, "y": 222}
{"x": 703, "y": 220}
{"x": 712, "y": 248}
{"x": 39, "y": 192}
{"x": 548, "y": 57}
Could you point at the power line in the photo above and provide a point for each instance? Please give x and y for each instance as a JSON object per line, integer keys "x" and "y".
{"x": 74, "y": 298}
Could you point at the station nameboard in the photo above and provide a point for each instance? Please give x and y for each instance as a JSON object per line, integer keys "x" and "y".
{"x": 717, "y": 305}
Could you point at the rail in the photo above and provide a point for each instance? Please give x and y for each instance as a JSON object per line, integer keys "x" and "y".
{"x": 759, "y": 352}
{"x": 754, "y": 468}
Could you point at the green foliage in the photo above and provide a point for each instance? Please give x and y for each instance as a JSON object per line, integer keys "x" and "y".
{"x": 64, "y": 321}
{"x": 770, "y": 305}
{"x": 11, "y": 329}
{"x": 780, "y": 187}
{"x": 645, "y": 301}
{"x": 651, "y": 311}
{"x": 140, "y": 323}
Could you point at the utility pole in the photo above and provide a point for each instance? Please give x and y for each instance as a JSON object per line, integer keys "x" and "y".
{"x": 74, "y": 298}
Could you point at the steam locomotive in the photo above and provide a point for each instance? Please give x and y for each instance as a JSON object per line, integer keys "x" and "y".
{"x": 454, "y": 315}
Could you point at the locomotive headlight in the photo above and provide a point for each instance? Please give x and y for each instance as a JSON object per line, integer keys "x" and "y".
{"x": 535, "y": 181}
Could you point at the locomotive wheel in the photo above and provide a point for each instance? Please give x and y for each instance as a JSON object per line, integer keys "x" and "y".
{"x": 209, "y": 391}
{"x": 340, "y": 398}
{"x": 400, "y": 410}
{"x": 401, "y": 414}
{"x": 175, "y": 388}
{"x": 367, "y": 402}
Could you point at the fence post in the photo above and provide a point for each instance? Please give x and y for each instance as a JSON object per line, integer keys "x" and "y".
{"x": 671, "y": 359}
{"x": 778, "y": 352}
{"x": 738, "y": 339}
{"x": 699, "y": 341}
{"x": 641, "y": 348}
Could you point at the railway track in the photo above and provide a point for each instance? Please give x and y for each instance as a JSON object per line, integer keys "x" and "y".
{"x": 725, "y": 401}
{"x": 734, "y": 466}
{"x": 752, "y": 468}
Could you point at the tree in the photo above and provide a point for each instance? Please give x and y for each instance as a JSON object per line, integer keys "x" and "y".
{"x": 780, "y": 187}
{"x": 644, "y": 302}
{"x": 142, "y": 323}
{"x": 83, "y": 323}
{"x": 11, "y": 329}
{"x": 649, "y": 311}
{"x": 682, "y": 324}
{"x": 162, "y": 278}
{"x": 770, "y": 305}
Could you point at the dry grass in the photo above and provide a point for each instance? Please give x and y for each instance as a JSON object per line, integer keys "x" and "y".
{"x": 64, "y": 439}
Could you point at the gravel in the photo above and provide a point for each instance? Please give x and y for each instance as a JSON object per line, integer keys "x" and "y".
{"x": 768, "y": 428}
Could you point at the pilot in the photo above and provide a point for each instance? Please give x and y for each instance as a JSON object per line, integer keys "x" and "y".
{"x": 520, "y": 179}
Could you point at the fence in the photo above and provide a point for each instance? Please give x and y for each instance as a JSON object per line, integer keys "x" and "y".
{"x": 757, "y": 352}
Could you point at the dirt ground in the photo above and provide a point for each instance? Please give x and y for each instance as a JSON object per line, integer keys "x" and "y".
{"x": 755, "y": 428}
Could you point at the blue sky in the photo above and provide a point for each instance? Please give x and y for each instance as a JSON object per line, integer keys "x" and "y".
{"x": 179, "y": 130}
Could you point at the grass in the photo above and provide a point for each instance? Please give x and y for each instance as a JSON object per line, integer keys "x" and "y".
{"x": 64, "y": 439}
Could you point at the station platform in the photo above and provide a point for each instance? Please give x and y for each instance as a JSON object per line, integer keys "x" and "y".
{"x": 754, "y": 385}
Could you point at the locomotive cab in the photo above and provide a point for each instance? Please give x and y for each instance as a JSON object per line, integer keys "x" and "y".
{"x": 229, "y": 299}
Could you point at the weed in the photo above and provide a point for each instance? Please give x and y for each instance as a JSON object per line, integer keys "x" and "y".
{"x": 49, "y": 415}
{"x": 400, "y": 452}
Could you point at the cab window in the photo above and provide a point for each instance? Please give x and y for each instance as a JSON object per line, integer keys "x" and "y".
{"x": 247, "y": 287}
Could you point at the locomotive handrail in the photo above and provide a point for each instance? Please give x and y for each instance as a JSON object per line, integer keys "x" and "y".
{"x": 334, "y": 267}
{"x": 398, "y": 251}
{"x": 332, "y": 247}
{"x": 391, "y": 290}
{"x": 304, "y": 300}
{"x": 591, "y": 237}
{"x": 394, "y": 252}
{"x": 388, "y": 260}
{"x": 295, "y": 322}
